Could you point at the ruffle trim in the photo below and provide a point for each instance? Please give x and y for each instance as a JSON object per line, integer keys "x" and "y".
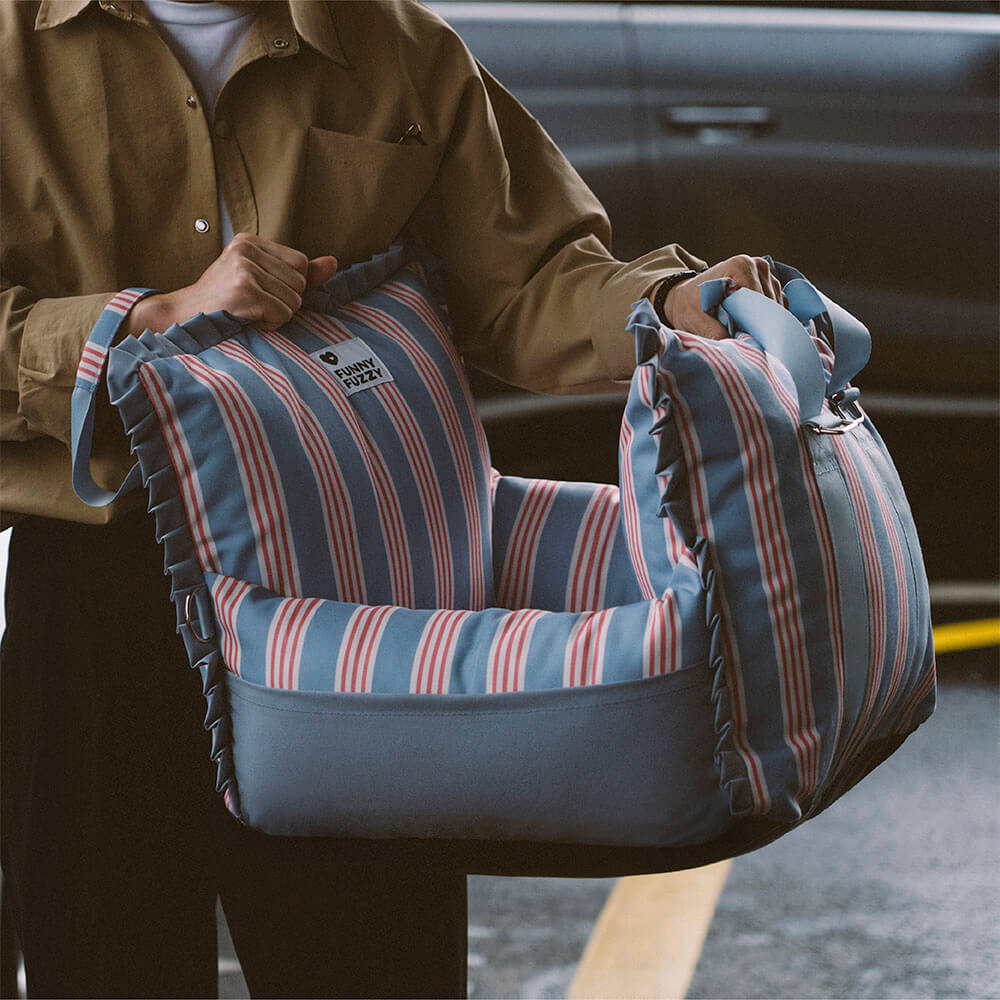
{"x": 675, "y": 503}
{"x": 172, "y": 531}
{"x": 348, "y": 286}
{"x": 142, "y": 425}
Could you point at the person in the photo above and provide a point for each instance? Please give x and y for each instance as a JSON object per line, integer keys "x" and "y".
{"x": 230, "y": 155}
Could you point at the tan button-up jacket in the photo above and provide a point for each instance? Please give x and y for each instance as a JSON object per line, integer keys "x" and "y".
{"x": 108, "y": 163}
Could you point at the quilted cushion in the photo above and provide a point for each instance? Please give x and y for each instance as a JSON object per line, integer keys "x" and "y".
{"x": 740, "y": 629}
{"x": 339, "y": 458}
{"x": 807, "y": 549}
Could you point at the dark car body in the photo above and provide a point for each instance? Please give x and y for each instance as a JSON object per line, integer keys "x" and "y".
{"x": 859, "y": 145}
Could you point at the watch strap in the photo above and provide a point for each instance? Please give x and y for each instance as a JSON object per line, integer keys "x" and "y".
{"x": 663, "y": 290}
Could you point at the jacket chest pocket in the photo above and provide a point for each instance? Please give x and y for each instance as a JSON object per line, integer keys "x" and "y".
{"x": 360, "y": 192}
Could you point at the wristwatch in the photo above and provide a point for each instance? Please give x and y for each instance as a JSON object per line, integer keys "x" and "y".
{"x": 664, "y": 289}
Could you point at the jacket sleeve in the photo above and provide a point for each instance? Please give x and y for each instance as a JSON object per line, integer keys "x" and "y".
{"x": 536, "y": 296}
{"x": 41, "y": 340}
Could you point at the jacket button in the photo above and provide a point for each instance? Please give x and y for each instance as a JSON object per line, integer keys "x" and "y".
{"x": 201, "y": 225}
{"x": 192, "y": 101}
{"x": 280, "y": 43}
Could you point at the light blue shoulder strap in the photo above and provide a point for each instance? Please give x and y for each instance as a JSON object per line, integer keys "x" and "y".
{"x": 88, "y": 378}
{"x": 781, "y": 332}
{"x": 852, "y": 343}
{"x": 778, "y": 332}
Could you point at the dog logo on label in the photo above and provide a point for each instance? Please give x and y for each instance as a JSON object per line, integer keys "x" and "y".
{"x": 355, "y": 365}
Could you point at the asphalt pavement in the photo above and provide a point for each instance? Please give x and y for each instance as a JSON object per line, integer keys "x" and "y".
{"x": 893, "y": 892}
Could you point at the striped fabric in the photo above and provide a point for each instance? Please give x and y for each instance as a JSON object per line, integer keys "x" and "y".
{"x": 95, "y": 353}
{"x": 309, "y": 644}
{"x": 779, "y": 512}
{"x": 333, "y": 529}
{"x": 569, "y": 614}
{"x": 321, "y": 509}
{"x": 292, "y": 481}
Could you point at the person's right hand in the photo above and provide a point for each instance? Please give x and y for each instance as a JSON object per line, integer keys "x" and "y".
{"x": 255, "y": 279}
{"x": 682, "y": 308}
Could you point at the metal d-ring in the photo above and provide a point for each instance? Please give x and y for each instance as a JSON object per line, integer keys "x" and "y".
{"x": 847, "y": 422}
{"x": 190, "y": 601}
{"x": 841, "y": 428}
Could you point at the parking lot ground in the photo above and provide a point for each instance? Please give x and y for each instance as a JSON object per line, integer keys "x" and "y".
{"x": 650, "y": 935}
{"x": 893, "y": 892}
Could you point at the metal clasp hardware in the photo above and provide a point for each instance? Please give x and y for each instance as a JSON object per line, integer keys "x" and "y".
{"x": 190, "y": 603}
{"x": 847, "y": 422}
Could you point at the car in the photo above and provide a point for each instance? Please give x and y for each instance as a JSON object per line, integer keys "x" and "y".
{"x": 855, "y": 141}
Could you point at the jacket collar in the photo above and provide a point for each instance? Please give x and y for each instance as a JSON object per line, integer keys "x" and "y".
{"x": 52, "y": 13}
{"x": 312, "y": 21}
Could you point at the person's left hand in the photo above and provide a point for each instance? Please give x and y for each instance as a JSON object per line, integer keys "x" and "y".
{"x": 682, "y": 307}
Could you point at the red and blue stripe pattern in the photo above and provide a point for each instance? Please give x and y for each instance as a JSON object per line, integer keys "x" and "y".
{"x": 556, "y": 545}
{"x": 95, "y": 353}
{"x": 353, "y": 539}
{"x": 738, "y": 477}
{"x": 560, "y": 546}
{"x": 308, "y": 644}
{"x": 359, "y": 542}
{"x": 91, "y": 364}
{"x": 380, "y": 496}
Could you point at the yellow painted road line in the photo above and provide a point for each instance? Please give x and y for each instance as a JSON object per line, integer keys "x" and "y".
{"x": 649, "y": 936}
{"x": 648, "y": 939}
{"x": 967, "y": 635}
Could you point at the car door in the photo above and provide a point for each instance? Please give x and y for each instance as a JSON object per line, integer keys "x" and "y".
{"x": 573, "y": 66}
{"x": 856, "y": 141}
{"x": 858, "y": 145}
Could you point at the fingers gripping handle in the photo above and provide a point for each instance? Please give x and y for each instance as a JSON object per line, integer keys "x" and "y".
{"x": 780, "y": 333}
{"x": 88, "y": 378}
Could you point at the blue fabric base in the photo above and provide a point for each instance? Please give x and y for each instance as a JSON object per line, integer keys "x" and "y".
{"x": 758, "y": 729}
{"x": 616, "y": 764}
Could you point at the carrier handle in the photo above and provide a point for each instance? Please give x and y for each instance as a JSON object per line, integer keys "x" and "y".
{"x": 88, "y": 378}
{"x": 852, "y": 343}
{"x": 780, "y": 332}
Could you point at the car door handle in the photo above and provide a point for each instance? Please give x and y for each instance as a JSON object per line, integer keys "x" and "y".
{"x": 713, "y": 124}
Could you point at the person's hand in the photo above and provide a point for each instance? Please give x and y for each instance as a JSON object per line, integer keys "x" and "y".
{"x": 682, "y": 306}
{"x": 255, "y": 279}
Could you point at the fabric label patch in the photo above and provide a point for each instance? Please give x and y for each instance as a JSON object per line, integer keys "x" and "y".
{"x": 355, "y": 365}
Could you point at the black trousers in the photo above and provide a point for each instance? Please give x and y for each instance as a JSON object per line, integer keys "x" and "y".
{"x": 115, "y": 844}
